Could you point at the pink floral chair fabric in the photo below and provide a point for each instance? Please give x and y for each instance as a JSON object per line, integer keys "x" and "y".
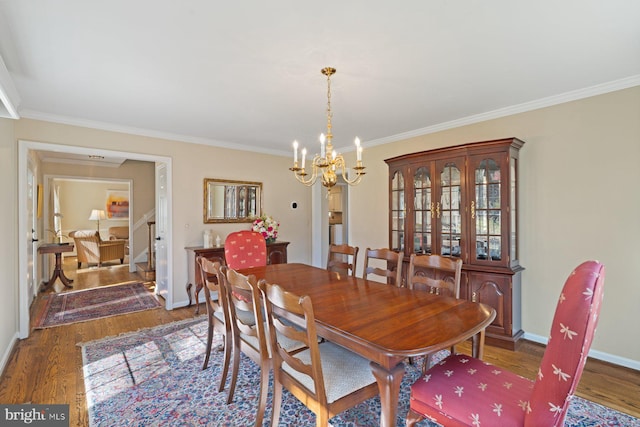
{"x": 245, "y": 249}
{"x": 463, "y": 391}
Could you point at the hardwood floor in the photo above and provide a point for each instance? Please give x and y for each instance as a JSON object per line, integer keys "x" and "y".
{"x": 47, "y": 366}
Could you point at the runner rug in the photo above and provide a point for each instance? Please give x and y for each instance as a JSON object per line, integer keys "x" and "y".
{"x": 95, "y": 303}
{"x": 154, "y": 377}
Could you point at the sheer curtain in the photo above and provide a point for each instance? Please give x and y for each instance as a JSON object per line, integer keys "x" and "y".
{"x": 57, "y": 215}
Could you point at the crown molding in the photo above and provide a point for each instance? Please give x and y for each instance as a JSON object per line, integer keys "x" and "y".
{"x": 550, "y": 101}
{"x": 110, "y": 127}
{"x": 575, "y": 95}
{"x": 9, "y": 97}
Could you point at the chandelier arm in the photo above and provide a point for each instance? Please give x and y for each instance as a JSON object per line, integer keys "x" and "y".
{"x": 316, "y": 166}
{"x": 341, "y": 164}
{"x": 353, "y": 181}
{"x": 308, "y": 182}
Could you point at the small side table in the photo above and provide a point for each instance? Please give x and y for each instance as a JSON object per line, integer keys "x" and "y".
{"x": 57, "y": 249}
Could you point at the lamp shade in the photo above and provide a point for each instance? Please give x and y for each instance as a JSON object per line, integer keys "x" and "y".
{"x": 97, "y": 215}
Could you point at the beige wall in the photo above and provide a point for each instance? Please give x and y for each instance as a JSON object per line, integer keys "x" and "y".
{"x": 79, "y": 197}
{"x": 578, "y": 201}
{"x": 577, "y": 186}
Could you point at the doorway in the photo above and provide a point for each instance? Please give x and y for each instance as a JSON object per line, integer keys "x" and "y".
{"x": 26, "y": 150}
{"x": 320, "y": 223}
{"x": 337, "y": 214}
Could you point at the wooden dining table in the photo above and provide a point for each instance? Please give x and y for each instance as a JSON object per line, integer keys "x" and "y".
{"x": 382, "y": 323}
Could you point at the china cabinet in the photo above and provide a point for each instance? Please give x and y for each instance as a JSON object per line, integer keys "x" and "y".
{"x": 462, "y": 202}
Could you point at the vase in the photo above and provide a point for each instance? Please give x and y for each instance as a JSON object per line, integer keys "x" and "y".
{"x": 270, "y": 240}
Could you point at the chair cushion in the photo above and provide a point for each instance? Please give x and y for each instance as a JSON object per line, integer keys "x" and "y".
{"x": 285, "y": 342}
{"x": 246, "y": 317}
{"x": 461, "y": 391}
{"x": 344, "y": 371}
{"x": 219, "y": 315}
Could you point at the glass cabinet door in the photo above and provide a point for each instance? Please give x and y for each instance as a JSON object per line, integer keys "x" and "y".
{"x": 486, "y": 211}
{"x": 422, "y": 212}
{"x": 513, "y": 226}
{"x": 397, "y": 212}
{"x": 449, "y": 209}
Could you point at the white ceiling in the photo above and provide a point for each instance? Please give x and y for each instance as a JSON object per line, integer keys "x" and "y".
{"x": 246, "y": 74}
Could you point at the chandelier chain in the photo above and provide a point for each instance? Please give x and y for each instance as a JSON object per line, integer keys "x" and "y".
{"x": 329, "y": 113}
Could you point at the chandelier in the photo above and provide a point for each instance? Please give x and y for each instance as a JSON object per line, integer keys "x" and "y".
{"x": 326, "y": 164}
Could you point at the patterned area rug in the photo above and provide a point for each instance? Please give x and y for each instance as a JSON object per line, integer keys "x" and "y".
{"x": 95, "y": 303}
{"x": 154, "y": 377}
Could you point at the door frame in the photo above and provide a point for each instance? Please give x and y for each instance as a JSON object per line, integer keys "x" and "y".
{"x": 24, "y": 147}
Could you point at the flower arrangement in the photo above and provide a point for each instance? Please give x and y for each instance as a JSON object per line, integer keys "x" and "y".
{"x": 267, "y": 226}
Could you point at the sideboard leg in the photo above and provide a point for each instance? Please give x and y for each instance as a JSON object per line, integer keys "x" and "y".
{"x": 189, "y": 285}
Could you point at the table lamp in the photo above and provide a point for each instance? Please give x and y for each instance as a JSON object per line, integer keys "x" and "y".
{"x": 97, "y": 215}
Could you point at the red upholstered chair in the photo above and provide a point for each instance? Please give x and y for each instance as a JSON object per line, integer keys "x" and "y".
{"x": 245, "y": 249}
{"x": 463, "y": 391}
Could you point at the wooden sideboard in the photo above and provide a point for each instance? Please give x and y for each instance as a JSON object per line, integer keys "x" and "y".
{"x": 276, "y": 254}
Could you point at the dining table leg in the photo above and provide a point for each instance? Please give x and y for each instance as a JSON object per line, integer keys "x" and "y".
{"x": 477, "y": 345}
{"x": 389, "y": 385}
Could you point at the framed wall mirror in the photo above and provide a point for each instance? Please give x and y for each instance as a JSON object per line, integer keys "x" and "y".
{"x": 231, "y": 201}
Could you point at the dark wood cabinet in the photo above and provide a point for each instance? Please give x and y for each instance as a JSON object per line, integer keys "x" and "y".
{"x": 462, "y": 202}
{"x": 276, "y": 254}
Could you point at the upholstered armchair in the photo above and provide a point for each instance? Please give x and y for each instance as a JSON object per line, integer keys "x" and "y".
{"x": 91, "y": 249}
{"x": 464, "y": 391}
{"x": 120, "y": 233}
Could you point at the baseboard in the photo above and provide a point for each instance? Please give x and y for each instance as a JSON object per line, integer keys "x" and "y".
{"x": 183, "y": 303}
{"x": 596, "y": 354}
{"x": 7, "y": 353}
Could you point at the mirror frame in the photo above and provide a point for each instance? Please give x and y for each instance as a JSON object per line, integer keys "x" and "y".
{"x": 208, "y": 200}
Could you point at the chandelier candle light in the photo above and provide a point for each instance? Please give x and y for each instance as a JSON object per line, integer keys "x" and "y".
{"x": 328, "y": 161}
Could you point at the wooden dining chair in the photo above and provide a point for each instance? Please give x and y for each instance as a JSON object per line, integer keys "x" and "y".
{"x": 464, "y": 391}
{"x": 245, "y": 249}
{"x": 393, "y": 263}
{"x": 248, "y": 323}
{"x": 210, "y": 271}
{"x": 438, "y": 275}
{"x": 342, "y": 259}
{"x": 325, "y": 377}
{"x": 435, "y": 274}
